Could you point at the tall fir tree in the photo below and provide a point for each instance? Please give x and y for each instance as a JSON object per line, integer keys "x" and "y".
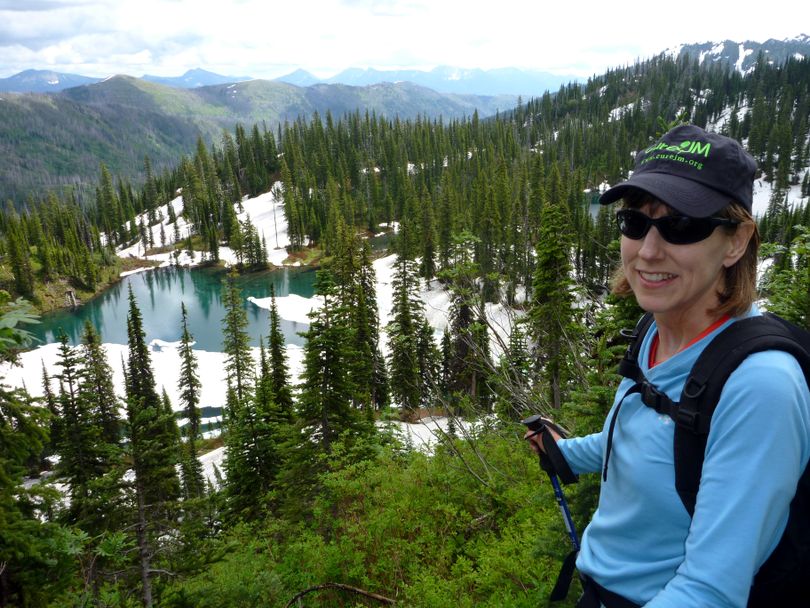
{"x": 325, "y": 410}
{"x": 251, "y": 463}
{"x": 279, "y": 367}
{"x": 327, "y": 389}
{"x": 153, "y": 452}
{"x": 189, "y": 387}
{"x": 188, "y": 383}
{"x": 239, "y": 364}
{"x": 469, "y": 365}
{"x": 36, "y": 564}
{"x": 368, "y": 329}
{"x": 552, "y": 315}
{"x": 19, "y": 253}
{"x": 409, "y": 359}
{"x": 80, "y": 447}
{"x": 97, "y": 386}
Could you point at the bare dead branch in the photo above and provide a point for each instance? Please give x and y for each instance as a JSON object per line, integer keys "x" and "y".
{"x": 375, "y": 596}
{"x": 441, "y": 435}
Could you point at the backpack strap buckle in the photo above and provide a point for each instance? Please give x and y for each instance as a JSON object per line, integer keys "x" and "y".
{"x": 688, "y": 419}
{"x": 655, "y": 399}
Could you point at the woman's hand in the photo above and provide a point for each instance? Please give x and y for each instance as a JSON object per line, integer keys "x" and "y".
{"x": 534, "y": 434}
{"x": 543, "y": 435}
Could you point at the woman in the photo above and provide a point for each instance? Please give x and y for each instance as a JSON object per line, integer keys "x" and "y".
{"x": 689, "y": 250}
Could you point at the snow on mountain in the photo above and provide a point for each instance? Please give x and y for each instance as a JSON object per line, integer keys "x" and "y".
{"x": 743, "y": 55}
{"x": 42, "y": 81}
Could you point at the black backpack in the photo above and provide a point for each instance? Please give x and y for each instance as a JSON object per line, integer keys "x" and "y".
{"x": 784, "y": 578}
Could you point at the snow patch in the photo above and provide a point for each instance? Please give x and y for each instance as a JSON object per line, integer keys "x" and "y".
{"x": 292, "y": 307}
{"x": 743, "y": 52}
{"x": 266, "y": 213}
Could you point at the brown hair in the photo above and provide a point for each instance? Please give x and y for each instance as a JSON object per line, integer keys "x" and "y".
{"x": 739, "y": 285}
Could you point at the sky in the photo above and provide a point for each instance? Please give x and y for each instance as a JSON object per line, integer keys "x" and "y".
{"x": 271, "y": 38}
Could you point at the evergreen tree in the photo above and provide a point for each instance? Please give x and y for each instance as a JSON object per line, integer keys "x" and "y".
{"x": 252, "y": 433}
{"x": 49, "y": 398}
{"x": 428, "y": 360}
{"x": 404, "y": 334}
{"x": 35, "y": 564}
{"x": 189, "y": 384}
{"x": 19, "y": 254}
{"x": 513, "y": 376}
{"x": 264, "y": 387}
{"x": 327, "y": 391}
{"x": 153, "y": 450}
{"x": 788, "y": 288}
{"x": 107, "y": 203}
{"x": 326, "y": 417}
{"x": 239, "y": 363}
{"x": 468, "y": 363}
{"x": 191, "y": 473}
{"x": 97, "y": 386}
{"x": 82, "y": 457}
{"x": 367, "y": 322}
{"x": 32, "y": 550}
{"x": 553, "y": 320}
{"x": 279, "y": 368}
{"x": 428, "y": 231}
{"x": 255, "y": 433}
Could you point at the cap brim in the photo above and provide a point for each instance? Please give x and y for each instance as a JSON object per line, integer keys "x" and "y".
{"x": 686, "y": 196}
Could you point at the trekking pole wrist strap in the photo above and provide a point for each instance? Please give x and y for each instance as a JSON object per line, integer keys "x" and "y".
{"x": 553, "y": 461}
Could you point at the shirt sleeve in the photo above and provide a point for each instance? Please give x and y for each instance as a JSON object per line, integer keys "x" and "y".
{"x": 756, "y": 451}
{"x": 583, "y": 454}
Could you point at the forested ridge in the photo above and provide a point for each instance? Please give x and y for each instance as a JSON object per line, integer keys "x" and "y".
{"x": 318, "y": 495}
{"x": 53, "y": 142}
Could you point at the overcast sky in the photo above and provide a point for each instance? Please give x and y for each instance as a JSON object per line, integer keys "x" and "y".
{"x": 269, "y": 38}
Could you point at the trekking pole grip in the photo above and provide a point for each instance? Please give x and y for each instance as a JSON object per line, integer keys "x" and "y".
{"x": 552, "y": 465}
{"x": 552, "y": 460}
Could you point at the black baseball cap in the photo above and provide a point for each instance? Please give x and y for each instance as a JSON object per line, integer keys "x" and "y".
{"x": 693, "y": 171}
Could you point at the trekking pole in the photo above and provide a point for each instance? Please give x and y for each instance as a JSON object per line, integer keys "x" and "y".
{"x": 553, "y": 462}
{"x": 539, "y": 426}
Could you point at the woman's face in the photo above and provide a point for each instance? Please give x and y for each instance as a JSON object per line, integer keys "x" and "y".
{"x": 679, "y": 283}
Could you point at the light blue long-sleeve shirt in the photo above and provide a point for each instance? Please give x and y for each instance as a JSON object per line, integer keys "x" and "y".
{"x": 641, "y": 542}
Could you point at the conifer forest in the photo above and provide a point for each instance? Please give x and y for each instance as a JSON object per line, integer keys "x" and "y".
{"x": 319, "y": 502}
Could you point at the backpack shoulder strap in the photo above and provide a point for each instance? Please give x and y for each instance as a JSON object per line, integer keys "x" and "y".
{"x": 628, "y": 366}
{"x": 702, "y": 389}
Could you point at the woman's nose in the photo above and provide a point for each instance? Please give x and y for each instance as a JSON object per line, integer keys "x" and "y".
{"x": 651, "y": 244}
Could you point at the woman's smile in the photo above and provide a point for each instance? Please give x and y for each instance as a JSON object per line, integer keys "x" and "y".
{"x": 656, "y": 277}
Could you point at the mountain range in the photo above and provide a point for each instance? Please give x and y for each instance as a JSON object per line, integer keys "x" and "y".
{"x": 43, "y": 81}
{"x": 49, "y": 81}
{"x": 59, "y": 139}
{"x": 195, "y": 78}
{"x": 443, "y": 79}
{"x": 506, "y": 81}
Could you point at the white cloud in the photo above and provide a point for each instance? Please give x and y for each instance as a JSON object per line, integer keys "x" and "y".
{"x": 267, "y": 39}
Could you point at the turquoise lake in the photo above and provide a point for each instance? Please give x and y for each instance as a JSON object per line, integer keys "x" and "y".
{"x": 159, "y": 294}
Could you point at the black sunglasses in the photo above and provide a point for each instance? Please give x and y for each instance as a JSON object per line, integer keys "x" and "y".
{"x": 675, "y": 229}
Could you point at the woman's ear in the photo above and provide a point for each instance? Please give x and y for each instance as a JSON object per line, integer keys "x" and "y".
{"x": 738, "y": 243}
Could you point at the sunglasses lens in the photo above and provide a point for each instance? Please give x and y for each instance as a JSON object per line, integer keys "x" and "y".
{"x": 675, "y": 229}
{"x": 632, "y": 224}
{"x": 682, "y": 230}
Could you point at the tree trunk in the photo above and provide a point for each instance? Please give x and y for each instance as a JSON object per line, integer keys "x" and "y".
{"x": 143, "y": 548}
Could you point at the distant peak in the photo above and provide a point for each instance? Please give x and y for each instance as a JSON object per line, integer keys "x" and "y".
{"x": 199, "y": 72}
